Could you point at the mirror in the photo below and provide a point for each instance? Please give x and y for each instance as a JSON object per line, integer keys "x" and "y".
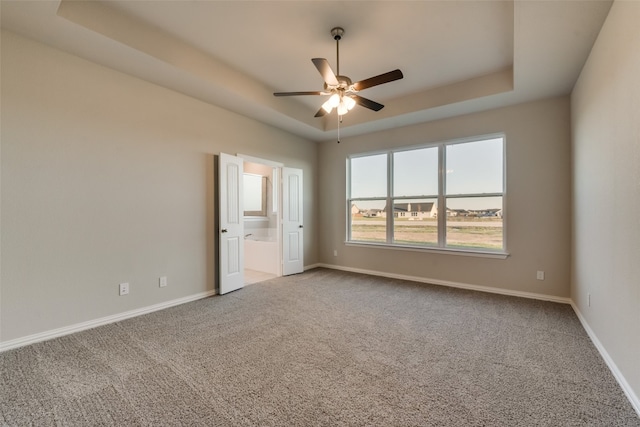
{"x": 255, "y": 195}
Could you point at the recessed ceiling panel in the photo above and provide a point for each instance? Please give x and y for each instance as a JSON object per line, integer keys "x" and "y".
{"x": 434, "y": 43}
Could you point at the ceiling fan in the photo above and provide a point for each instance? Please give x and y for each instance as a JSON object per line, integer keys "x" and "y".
{"x": 344, "y": 93}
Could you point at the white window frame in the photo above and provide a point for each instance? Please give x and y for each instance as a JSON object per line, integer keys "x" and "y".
{"x": 441, "y": 197}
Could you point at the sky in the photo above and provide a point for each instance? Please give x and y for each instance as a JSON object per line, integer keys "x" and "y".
{"x": 472, "y": 167}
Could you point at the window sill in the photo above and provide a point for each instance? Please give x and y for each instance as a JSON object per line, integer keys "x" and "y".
{"x": 444, "y": 251}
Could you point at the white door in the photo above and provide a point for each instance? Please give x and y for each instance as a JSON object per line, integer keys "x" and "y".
{"x": 231, "y": 230}
{"x": 292, "y": 226}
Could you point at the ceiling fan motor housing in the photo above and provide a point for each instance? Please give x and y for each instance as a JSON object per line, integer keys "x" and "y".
{"x": 344, "y": 83}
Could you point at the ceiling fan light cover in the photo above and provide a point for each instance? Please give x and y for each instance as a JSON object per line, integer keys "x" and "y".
{"x": 331, "y": 103}
{"x": 334, "y": 101}
{"x": 349, "y": 102}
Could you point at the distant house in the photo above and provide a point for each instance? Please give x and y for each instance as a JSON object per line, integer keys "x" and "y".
{"x": 372, "y": 213}
{"x": 454, "y": 212}
{"x": 364, "y": 213}
{"x": 495, "y": 213}
{"x": 458, "y": 212}
{"x": 412, "y": 211}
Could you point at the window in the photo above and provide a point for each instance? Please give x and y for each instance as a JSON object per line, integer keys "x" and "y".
{"x": 444, "y": 196}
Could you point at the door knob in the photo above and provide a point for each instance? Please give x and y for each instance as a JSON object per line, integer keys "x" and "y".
{"x": 224, "y": 230}
{"x": 300, "y": 226}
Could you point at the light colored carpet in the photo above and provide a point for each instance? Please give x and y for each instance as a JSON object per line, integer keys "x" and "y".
{"x": 324, "y": 348}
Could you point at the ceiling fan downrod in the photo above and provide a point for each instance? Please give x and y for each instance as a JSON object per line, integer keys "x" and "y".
{"x": 337, "y": 34}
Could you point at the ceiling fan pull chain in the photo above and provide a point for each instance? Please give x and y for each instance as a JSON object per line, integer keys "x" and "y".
{"x": 339, "y": 121}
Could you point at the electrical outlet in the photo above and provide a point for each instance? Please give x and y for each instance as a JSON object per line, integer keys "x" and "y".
{"x": 335, "y": 252}
{"x": 540, "y": 275}
{"x": 124, "y": 289}
{"x": 163, "y": 281}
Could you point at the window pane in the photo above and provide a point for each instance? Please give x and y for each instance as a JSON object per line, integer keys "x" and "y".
{"x": 474, "y": 222}
{"x": 475, "y": 167}
{"x": 415, "y": 222}
{"x": 415, "y": 172}
{"x": 369, "y": 176}
{"x": 368, "y": 223}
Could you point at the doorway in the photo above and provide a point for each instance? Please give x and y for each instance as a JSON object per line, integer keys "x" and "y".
{"x": 262, "y": 243}
{"x": 273, "y": 220}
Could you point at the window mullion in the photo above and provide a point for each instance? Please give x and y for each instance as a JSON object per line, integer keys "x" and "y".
{"x": 349, "y": 218}
{"x": 442, "y": 208}
{"x": 391, "y": 210}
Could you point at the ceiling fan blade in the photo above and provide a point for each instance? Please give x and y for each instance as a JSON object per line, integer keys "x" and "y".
{"x": 299, "y": 93}
{"x": 367, "y": 103}
{"x": 326, "y": 72}
{"x": 321, "y": 112}
{"x": 378, "y": 80}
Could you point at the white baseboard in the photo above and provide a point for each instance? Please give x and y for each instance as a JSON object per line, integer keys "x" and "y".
{"x": 468, "y": 286}
{"x": 626, "y": 388}
{"x": 312, "y": 266}
{"x": 55, "y": 333}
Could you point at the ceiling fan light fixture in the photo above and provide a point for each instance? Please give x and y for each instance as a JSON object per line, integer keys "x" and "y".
{"x": 344, "y": 104}
{"x": 326, "y": 107}
{"x": 331, "y": 103}
{"x": 349, "y": 102}
{"x": 334, "y": 100}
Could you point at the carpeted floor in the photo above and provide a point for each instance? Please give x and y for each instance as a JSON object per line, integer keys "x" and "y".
{"x": 324, "y": 348}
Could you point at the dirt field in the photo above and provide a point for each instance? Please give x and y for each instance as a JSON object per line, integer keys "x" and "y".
{"x": 468, "y": 232}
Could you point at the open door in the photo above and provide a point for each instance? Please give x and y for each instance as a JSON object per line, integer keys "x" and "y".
{"x": 231, "y": 230}
{"x": 292, "y": 226}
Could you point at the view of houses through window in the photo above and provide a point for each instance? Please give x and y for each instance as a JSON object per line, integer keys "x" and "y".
{"x": 447, "y": 195}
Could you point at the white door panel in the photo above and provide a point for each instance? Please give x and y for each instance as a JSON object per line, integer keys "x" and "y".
{"x": 231, "y": 223}
{"x": 292, "y": 226}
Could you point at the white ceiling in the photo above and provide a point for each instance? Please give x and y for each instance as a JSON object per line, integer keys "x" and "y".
{"x": 457, "y": 57}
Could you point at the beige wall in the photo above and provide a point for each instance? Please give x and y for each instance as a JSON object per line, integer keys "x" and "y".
{"x": 537, "y": 207}
{"x": 606, "y": 207}
{"x": 109, "y": 179}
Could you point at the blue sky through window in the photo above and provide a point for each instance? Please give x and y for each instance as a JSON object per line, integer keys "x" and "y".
{"x": 415, "y": 172}
{"x": 369, "y": 176}
{"x": 475, "y": 167}
{"x": 471, "y": 168}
